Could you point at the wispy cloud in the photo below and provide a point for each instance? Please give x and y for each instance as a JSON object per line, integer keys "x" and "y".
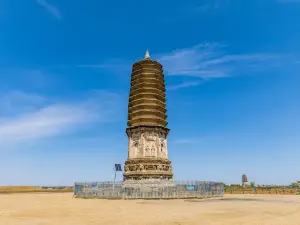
{"x": 209, "y": 60}
{"x": 116, "y": 66}
{"x": 184, "y": 85}
{"x": 186, "y": 141}
{"x": 50, "y": 8}
{"x": 204, "y": 61}
{"x": 93, "y": 66}
{"x": 15, "y": 102}
{"x": 39, "y": 117}
{"x": 198, "y": 139}
{"x": 212, "y": 60}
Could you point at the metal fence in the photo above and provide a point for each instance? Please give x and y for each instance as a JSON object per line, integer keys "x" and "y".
{"x": 178, "y": 189}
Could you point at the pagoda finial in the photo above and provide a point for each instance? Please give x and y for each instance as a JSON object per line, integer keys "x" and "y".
{"x": 147, "y": 56}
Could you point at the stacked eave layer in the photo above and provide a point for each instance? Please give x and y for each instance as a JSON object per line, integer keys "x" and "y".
{"x": 147, "y": 101}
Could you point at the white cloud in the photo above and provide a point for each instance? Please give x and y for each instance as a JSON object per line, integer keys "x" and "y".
{"x": 210, "y": 61}
{"x": 48, "y": 121}
{"x": 52, "y": 119}
{"x": 50, "y": 8}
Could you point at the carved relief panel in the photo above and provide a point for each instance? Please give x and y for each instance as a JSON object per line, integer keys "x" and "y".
{"x": 150, "y": 140}
{"x": 163, "y": 151}
{"x": 149, "y": 143}
{"x": 134, "y": 149}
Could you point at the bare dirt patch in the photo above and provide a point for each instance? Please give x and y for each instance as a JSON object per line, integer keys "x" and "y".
{"x": 61, "y": 208}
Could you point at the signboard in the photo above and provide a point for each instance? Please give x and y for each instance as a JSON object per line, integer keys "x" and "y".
{"x": 191, "y": 187}
{"x": 118, "y": 167}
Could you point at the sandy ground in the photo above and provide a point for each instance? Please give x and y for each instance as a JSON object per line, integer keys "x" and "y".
{"x": 44, "y": 209}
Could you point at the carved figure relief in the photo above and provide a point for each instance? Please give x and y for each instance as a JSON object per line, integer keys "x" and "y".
{"x": 153, "y": 151}
{"x": 135, "y": 145}
{"x": 147, "y": 152}
{"x": 135, "y": 136}
{"x": 151, "y": 140}
{"x": 159, "y": 167}
{"x": 141, "y": 167}
{"x": 162, "y": 150}
{"x": 135, "y": 148}
{"x": 150, "y": 136}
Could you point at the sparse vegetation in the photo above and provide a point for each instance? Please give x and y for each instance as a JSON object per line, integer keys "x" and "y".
{"x": 30, "y": 189}
{"x": 262, "y": 189}
{"x": 294, "y": 185}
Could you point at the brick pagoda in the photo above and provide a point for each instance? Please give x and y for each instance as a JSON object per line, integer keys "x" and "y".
{"x": 146, "y": 127}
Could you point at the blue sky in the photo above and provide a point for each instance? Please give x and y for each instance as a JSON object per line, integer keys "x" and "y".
{"x": 232, "y": 74}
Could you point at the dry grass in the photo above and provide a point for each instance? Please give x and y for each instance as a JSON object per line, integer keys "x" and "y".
{"x": 272, "y": 191}
{"x": 61, "y": 208}
{"x": 30, "y": 189}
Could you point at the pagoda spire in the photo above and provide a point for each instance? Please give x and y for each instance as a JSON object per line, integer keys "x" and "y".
{"x": 147, "y": 55}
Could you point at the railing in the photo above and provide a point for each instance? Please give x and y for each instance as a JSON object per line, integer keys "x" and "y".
{"x": 178, "y": 189}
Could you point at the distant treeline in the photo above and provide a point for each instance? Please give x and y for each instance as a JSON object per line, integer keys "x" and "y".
{"x": 56, "y": 187}
{"x": 31, "y": 189}
{"x": 261, "y": 189}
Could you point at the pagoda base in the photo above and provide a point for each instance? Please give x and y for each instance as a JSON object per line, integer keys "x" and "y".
{"x": 147, "y": 185}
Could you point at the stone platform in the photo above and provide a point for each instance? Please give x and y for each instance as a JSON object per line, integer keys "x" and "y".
{"x": 148, "y": 185}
